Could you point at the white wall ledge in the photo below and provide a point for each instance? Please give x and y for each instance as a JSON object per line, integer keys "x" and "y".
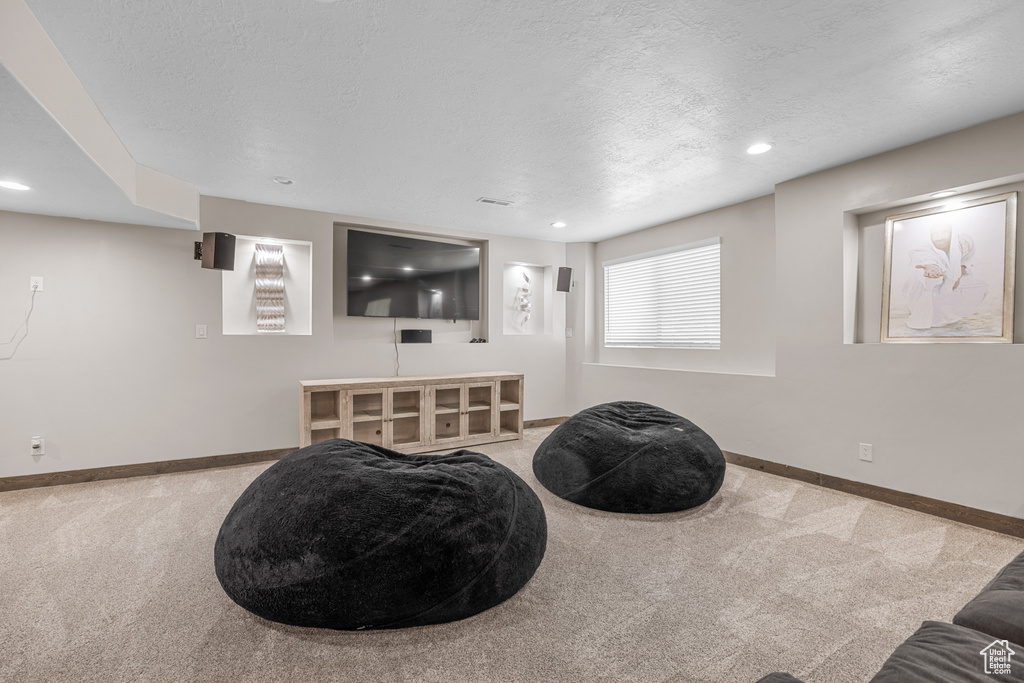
{"x": 700, "y": 372}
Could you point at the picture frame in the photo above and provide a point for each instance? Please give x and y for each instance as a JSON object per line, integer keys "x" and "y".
{"x": 948, "y": 273}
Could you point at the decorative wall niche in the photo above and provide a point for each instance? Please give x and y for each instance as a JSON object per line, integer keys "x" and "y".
{"x": 526, "y": 298}
{"x": 863, "y": 261}
{"x": 270, "y": 290}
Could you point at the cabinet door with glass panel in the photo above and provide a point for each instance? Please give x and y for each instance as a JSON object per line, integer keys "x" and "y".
{"x": 449, "y": 405}
{"x": 462, "y": 411}
{"x": 369, "y": 415}
{"x": 405, "y": 418}
{"x": 390, "y": 417}
{"x": 480, "y": 405}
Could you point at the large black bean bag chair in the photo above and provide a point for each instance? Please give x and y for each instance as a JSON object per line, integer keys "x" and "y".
{"x": 630, "y": 457}
{"x": 346, "y": 535}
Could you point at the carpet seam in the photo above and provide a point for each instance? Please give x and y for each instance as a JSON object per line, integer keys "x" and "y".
{"x": 494, "y": 558}
{"x": 603, "y": 476}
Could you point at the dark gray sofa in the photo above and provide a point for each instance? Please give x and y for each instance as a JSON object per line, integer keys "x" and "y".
{"x": 953, "y": 653}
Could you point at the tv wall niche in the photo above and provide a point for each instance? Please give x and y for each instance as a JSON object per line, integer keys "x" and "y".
{"x": 387, "y": 280}
{"x": 393, "y": 276}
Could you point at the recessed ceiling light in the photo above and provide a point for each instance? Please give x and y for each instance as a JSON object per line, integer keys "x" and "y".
{"x": 558, "y": 224}
{"x": 407, "y": 268}
{"x": 366, "y": 277}
{"x": 759, "y": 148}
{"x": 944, "y": 193}
{"x": 11, "y": 185}
{"x": 281, "y": 180}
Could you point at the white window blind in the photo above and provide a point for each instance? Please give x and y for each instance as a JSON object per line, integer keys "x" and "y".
{"x": 668, "y": 299}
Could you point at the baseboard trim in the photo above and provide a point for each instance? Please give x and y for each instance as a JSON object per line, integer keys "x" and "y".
{"x": 1004, "y": 524}
{"x": 142, "y": 469}
{"x": 546, "y": 422}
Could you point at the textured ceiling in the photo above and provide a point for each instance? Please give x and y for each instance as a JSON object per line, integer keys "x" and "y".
{"x": 611, "y": 116}
{"x": 36, "y": 151}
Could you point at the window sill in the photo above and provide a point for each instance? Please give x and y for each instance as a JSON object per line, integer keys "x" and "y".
{"x": 704, "y": 372}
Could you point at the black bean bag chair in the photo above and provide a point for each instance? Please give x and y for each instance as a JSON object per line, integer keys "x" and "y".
{"x": 630, "y": 457}
{"x": 346, "y": 535}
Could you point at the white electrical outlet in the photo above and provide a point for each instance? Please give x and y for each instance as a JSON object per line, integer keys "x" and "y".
{"x": 35, "y": 284}
{"x": 38, "y": 445}
{"x": 568, "y": 333}
{"x": 865, "y": 453}
{"x": 200, "y": 331}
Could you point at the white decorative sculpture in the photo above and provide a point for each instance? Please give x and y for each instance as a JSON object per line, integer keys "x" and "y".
{"x": 523, "y": 303}
{"x": 269, "y": 263}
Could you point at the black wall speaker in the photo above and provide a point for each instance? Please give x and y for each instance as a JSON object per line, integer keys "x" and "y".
{"x": 415, "y": 336}
{"x": 564, "y": 283}
{"x": 218, "y": 250}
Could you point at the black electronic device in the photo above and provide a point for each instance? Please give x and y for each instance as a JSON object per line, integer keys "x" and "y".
{"x": 217, "y": 251}
{"x": 416, "y": 336}
{"x": 564, "y": 283}
{"x": 391, "y": 276}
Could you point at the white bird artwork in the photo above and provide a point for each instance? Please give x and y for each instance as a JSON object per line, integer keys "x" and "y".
{"x": 523, "y": 303}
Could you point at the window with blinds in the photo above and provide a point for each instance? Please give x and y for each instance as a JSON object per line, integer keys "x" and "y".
{"x": 666, "y": 299}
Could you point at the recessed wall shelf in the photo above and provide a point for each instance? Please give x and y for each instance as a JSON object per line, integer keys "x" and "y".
{"x": 250, "y": 306}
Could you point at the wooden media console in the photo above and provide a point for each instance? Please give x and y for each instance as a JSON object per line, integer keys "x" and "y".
{"x": 414, "y": 414}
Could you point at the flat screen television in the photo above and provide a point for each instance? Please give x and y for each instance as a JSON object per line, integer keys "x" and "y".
{"x": 406, "y": 277}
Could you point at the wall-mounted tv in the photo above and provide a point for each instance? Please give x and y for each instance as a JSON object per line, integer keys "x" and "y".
{"x": 406, "y": 277}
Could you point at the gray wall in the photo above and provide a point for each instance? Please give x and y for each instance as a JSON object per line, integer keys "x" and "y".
{"x": 748, "y": 289}
{"x": 943, "y": 418}
{"x": 111, "y": 372}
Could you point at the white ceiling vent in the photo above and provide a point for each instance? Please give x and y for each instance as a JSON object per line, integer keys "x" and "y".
{"x": 498, "y": 202}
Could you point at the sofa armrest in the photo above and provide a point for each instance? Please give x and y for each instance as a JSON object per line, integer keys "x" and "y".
{"x": 999, "y": 609}
{"x": 1010, "y": 577}
{"x": 997, "y": 613}
{"x": 945, "y": 652}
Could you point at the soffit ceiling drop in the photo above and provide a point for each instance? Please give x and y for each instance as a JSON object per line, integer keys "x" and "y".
{"x": 64, "y": 180}
{"x": 611, "y": 117}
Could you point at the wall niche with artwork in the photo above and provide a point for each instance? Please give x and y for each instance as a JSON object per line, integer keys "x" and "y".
{"x": 939, "y": 271}
{"x": 527, "y": 290}
{"x": 269, "y": 292}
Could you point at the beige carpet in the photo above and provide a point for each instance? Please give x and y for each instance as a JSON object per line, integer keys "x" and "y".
{"x": 113, "y": 581}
